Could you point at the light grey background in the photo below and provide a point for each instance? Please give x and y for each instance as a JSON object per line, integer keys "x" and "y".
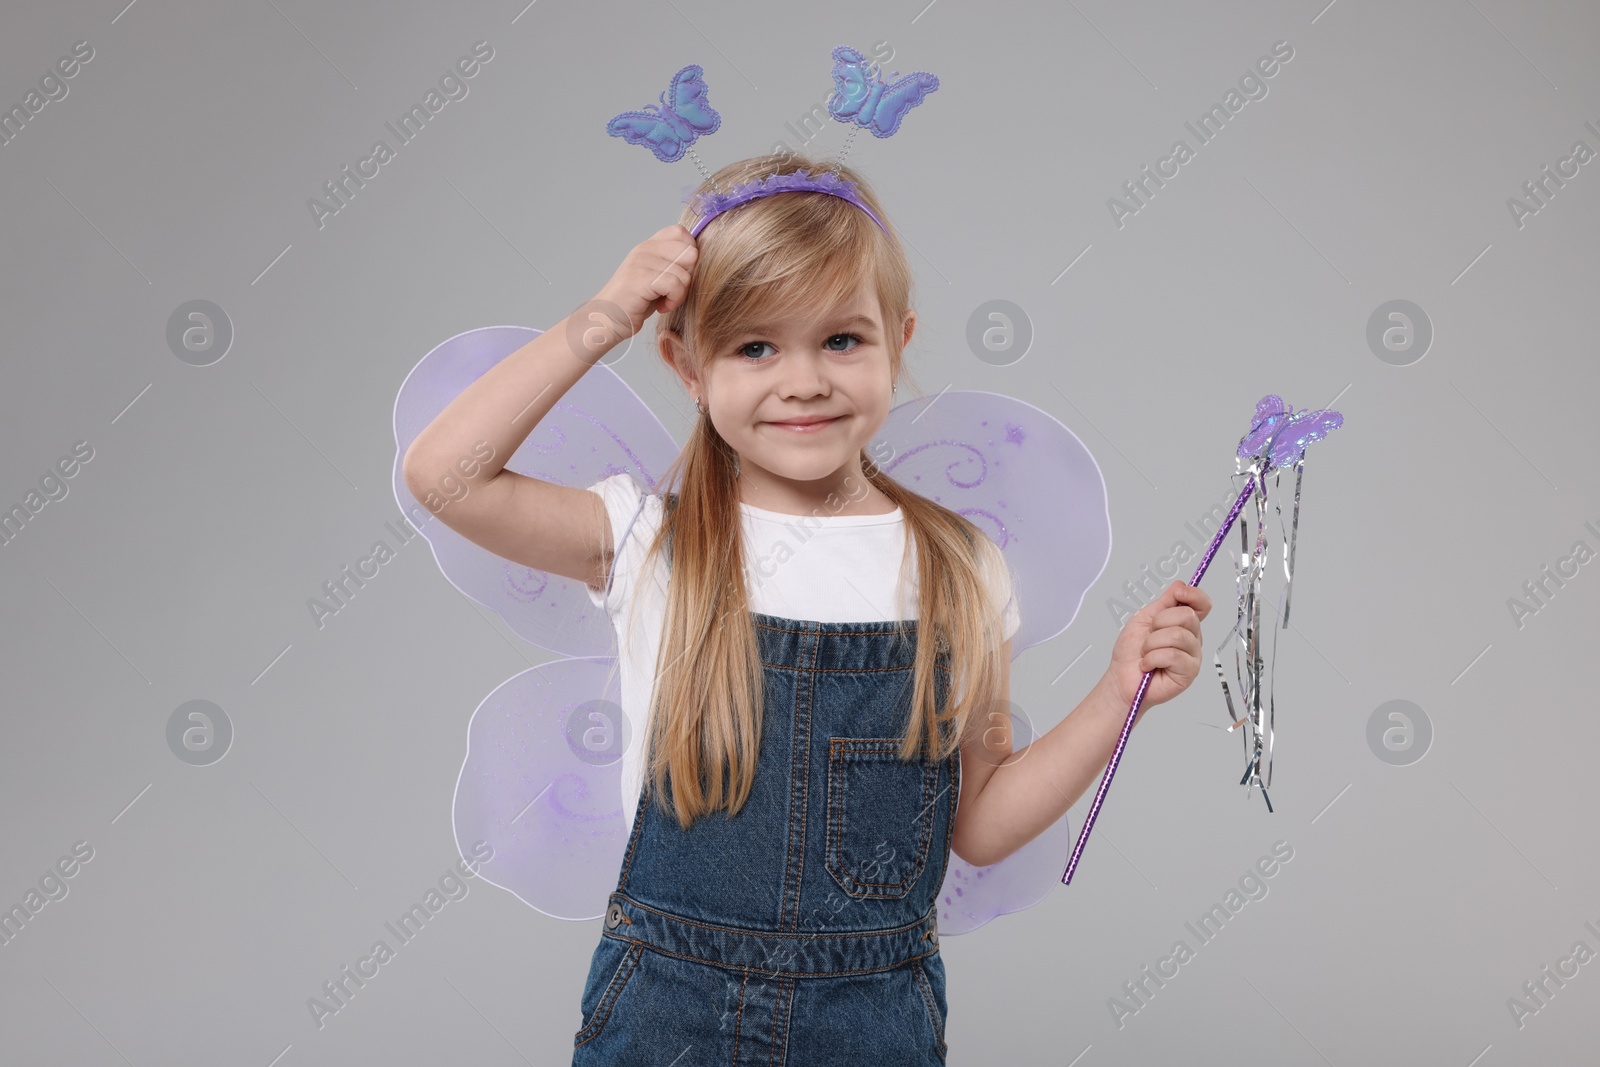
{"x": 218, "y": 499}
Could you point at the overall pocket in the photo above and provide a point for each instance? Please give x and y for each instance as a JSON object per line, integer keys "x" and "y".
{"x": 929, "y": 975}
{"x": 880, "y": 816}
{"x": 614, "y": 962}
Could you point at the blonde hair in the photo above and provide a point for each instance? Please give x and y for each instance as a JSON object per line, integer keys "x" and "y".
{"x": 797, "y": 250}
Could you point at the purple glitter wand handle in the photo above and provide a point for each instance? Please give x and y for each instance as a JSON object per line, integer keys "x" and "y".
{"x": 1144, "y": 684}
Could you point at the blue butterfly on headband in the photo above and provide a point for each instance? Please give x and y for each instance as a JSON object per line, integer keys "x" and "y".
{"x": 862, "y": 96}
{"x": 669, "y": 129}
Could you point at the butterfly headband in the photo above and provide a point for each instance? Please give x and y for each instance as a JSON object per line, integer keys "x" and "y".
{"x": 862, "y": 98}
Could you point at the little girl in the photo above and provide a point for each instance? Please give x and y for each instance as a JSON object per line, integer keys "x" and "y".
{"x": 801, "y": 763}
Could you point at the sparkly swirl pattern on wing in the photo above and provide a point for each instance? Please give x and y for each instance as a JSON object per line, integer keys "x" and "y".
{"x": 1028, "y": 482}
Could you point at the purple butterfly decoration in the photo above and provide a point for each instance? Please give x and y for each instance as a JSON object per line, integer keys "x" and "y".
{"x": 1283, "y": 433}
{"x": 541, "y": 779}
{"x": 861, "y": 95}
{"x": 672, "y": 127}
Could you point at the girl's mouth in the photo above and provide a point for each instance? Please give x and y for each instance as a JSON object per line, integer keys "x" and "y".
{"x": 807, "y": 427}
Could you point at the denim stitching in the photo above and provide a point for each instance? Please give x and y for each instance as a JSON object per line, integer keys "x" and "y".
{"x": 777, "y": 1010}
{"x": 805, "y": 778}
{"x": 788, "y": 1019}
{"x": 854, "y": 934}
{"x": 738, "y": 1017}
{"x": 805, "y": 788}
{"x": 633, "y": 838}
{"x": 954, "y": 772}
{"x": 932, "y": 1005}
{"x": 622, "y": 964}
{"x": 608, "y": 1000}
{"x": 834, "y": 858}
{"x": 650, "y": 947}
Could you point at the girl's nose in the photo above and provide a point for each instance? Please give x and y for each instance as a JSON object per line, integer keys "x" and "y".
{"x": 805, "y": 377}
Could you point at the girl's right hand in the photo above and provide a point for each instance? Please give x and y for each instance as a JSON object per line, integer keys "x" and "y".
{"x": 654, "y": 277}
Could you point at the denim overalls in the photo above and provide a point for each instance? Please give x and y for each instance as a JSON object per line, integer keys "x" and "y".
{"x": 801, "y": 931}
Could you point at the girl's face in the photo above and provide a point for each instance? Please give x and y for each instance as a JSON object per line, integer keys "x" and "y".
{"x": 831, "y": 363}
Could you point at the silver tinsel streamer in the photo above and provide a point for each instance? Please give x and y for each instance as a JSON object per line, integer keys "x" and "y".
{"x": 1253, "y": 671}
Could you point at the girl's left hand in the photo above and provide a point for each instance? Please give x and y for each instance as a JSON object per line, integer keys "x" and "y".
{"x": 1163, "y": 636}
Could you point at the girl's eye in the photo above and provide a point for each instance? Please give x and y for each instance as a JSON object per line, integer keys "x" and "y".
{"x": 746, "y": 354}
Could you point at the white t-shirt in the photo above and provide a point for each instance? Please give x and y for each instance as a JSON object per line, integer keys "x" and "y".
{"x": 822, "y": 568}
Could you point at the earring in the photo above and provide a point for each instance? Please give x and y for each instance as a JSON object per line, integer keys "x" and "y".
{"x": 698, "y": 406}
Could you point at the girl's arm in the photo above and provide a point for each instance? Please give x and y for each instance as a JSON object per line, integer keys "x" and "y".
{"x": 1010, "y": 797}
{"x": 456, "y": 465}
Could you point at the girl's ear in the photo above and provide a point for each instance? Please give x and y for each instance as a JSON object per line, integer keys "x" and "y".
{"x": 676, "y": 354}
{"x": 910, "y": 326}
